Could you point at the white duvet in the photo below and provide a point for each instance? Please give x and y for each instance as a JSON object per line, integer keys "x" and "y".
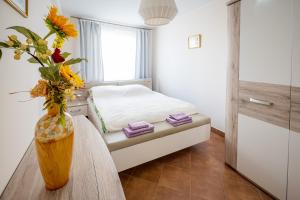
{"x": 120, "y": 105}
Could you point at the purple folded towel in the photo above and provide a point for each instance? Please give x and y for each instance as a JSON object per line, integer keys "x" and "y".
{"x": 179, "y": 116}
{"x": 131, "y": 133}
{"x": 171, "y": 120}
{"x": 138, "y": 125}
{"x": 181, "y": 123}
{"x": 174, "y": 122}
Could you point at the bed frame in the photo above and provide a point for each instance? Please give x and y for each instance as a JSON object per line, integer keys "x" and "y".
{"x": 132, "y": 156}
{"x": 144, "y": 152}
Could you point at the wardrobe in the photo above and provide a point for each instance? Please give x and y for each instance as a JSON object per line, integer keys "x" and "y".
{"x": 263, "y": 94}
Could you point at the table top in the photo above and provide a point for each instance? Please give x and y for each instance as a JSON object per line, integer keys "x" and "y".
{"x": 93, "y": 174}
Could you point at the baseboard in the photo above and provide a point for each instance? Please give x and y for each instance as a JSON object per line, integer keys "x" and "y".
{"x": 217, "y": 131}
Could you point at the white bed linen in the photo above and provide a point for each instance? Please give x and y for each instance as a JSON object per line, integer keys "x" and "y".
{"x": 120, "y": 105}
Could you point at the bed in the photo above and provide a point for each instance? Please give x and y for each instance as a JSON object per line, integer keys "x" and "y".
{"x": 111, "y": 106}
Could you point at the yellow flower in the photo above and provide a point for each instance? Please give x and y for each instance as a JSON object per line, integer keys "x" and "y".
{"x": 40, "y": 90}
{"x": 10, "y": 43}
{"x": 44, "y": 56}
{"x": 13, "y": 37}
{"x": 49, "y": 52}
{"x": 29, "y": 41}
{"x": 70, "y": 93}
{"x": 38, "y": 54}
{"x": 23, "y": 47}
{"x": 18, "y": 52}
{"x": 60, "y": 24}
{"x": 17, "y": 57}
{"x": 72, "y": 77}
{"x": 42, "y": 42}
{"x": 58, "y": 42}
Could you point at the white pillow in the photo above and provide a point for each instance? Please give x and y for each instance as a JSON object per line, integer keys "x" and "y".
{"x": 118, "y": 91}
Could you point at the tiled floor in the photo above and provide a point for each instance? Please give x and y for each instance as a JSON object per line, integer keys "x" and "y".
{"x": 196, "y": 173}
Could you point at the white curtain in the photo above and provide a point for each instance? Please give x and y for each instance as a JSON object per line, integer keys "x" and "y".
{"x": 143, "y": 65}
{"x": 90, "y": 48}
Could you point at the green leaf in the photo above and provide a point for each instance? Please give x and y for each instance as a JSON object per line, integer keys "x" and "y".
{"x": 62, "y": 120}
{"x": 32, "y": 60}
{"x": 74, "y": 61}
{"x": 50, "y": 73}
{"x": 0, "y": 54}
{"x": 3, "y": 44}
{"x": 26, "y": 32}
{"x": 65, "y": 54}
{"x": 44, "y": 73}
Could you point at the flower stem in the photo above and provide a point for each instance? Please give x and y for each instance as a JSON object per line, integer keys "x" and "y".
{"x": 36, "y": 58}
{"x": 50, "y": 33}
{"x": 22, "y": 101}
{"x": 18, "y": 92}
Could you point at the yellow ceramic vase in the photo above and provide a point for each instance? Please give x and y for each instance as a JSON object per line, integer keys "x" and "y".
{"x": 54, "y": 145}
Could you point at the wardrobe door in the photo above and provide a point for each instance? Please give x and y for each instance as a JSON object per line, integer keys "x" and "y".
{"x": 265, "y": 41}
{"x": 263, "y": 154}
{"x": 294, "y": 146}
{"x": 264, "y": 93}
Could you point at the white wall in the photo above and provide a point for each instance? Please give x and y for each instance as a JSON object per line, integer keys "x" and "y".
{"x": 17, "y": 120}
{"x": 195, "y": 75}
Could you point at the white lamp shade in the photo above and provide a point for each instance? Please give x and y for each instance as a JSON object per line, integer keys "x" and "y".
{"x": 157, "y": 12}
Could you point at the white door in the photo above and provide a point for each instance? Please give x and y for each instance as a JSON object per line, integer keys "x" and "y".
{"x": 294, "y": 167}
{"x": 265, "y": 57}
{"x": 265, "y": 41}
{"x": 294, "y": 146}
{"x": 263, "y": 154}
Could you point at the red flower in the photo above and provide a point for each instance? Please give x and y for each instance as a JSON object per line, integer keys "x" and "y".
{"x": 56, "y": 56}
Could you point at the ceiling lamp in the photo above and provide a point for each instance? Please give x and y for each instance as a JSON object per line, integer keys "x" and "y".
{"x": 157, "y": 12}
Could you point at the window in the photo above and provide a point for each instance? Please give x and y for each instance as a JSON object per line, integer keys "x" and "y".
{"x": 118, "y": 53}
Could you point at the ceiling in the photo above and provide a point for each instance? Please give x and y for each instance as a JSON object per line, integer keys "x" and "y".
{"x": 118, "y": 11}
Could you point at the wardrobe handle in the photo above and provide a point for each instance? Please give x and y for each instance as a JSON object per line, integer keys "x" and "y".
{"x": 261, "y": 102}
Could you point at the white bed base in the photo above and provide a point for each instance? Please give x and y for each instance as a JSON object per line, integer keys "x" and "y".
{"x": 144, "y": 152}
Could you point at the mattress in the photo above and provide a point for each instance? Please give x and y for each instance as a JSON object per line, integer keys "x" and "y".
{"x": 118, "y": 140}
{"x": 116, "y": 106}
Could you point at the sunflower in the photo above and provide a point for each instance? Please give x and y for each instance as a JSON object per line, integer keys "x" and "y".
{"x": 72, "y": 77}
{"x": 60, "y": 24}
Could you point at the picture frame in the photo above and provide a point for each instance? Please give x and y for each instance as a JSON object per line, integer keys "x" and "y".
{"x": 194, "y": 41}
{"x": 21, "y": 6}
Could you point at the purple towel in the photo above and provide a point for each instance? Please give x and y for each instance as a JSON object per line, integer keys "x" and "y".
{"x": 174, "y": 122}
{"x": 181, "y": 123}
{"x": 138, "y": 125}
{"x": 179, "y": 116}
{"x": 131, "y": 133}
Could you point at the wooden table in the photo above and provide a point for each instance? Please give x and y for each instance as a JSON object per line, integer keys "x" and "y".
{"x": 93, "y": 174}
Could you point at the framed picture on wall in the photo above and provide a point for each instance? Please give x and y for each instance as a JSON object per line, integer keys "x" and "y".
{"x": 194, "y": 41}
{"x": 19, "y": 5}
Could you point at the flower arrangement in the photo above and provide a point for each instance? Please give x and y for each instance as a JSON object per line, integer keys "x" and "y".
{"x": 58, "y": 81}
